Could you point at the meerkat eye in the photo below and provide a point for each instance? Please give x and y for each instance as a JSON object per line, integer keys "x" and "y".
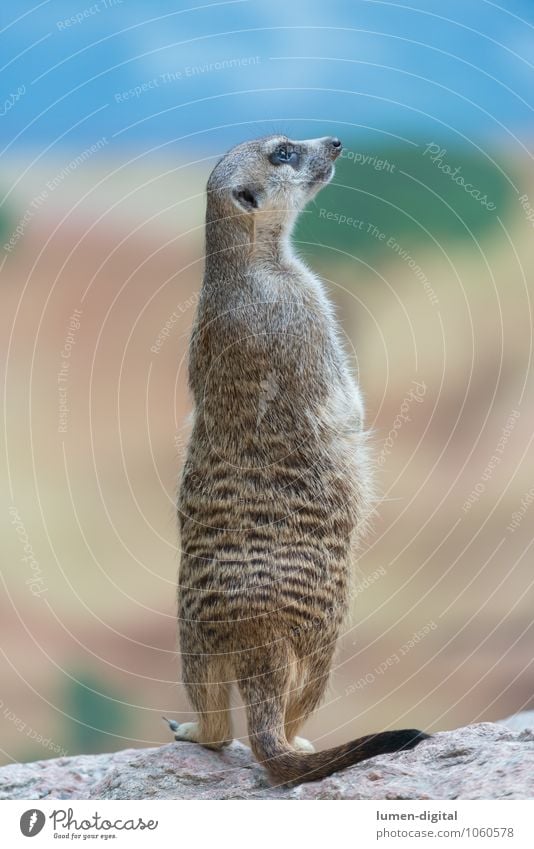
{"x": 283, "y": 156}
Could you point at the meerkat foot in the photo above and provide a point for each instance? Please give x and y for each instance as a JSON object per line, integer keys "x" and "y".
{"x": 187, "y": 731}
{"x": 190, "y": 732}
{"x": 303, "y": 745}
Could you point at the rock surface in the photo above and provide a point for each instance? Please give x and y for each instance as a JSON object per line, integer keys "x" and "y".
{"x": 519, "y": 721}
{"x": 485, "y": 761}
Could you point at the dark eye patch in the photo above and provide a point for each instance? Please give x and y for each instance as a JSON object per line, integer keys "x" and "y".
{"x": 285, "y": 155}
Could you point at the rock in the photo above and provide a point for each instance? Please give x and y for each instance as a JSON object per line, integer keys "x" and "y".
{"x": 519, "y": 721}
{"x": 187, "y": 771}
{"x": 483, "y": 761}
{"x": 486, "y": 761}
{"x": 59, "y": 778}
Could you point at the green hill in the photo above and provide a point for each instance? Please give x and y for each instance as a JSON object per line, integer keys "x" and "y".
{"x": 410, "y": 195}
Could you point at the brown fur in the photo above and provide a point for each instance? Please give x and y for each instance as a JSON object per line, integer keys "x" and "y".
{"x": 276, "y": 485}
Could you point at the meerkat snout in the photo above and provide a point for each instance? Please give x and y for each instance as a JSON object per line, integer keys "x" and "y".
{"x": 335, "y": 147}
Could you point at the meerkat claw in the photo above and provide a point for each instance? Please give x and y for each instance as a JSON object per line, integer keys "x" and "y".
{"x": 173, "y": 725}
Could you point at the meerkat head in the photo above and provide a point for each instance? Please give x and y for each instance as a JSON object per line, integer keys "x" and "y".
{"x": 269, "y": 180}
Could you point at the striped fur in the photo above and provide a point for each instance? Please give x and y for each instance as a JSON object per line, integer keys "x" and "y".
{"x": 276, "y": 486}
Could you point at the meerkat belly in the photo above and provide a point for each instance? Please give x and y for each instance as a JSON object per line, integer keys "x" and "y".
{"x": 271, "y": 495}
{"x": 267, "y": 542}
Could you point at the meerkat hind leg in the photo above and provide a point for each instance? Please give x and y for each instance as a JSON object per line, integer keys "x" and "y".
{"x": 213, "y": 727}
{"x": 301, "y": 704}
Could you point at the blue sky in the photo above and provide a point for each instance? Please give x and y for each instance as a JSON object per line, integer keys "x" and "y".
{"x": 457, "y": 70}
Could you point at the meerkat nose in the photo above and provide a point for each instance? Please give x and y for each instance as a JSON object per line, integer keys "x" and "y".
{"x": 335, "y": 147}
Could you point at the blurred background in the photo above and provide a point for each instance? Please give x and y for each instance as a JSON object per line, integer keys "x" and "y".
{"x": 111, "y": 116}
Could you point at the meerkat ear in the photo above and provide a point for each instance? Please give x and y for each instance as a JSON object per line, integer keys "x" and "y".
{"x": 246, "y": 197}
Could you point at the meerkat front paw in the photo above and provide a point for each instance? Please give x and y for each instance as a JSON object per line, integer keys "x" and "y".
{"x": 303, "y": 745}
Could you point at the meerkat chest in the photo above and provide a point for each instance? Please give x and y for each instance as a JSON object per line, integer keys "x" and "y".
{"x": 272, "y": 344}
{"x": 279, "y": 313}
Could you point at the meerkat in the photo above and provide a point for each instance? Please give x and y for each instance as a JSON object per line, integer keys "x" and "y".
{"x": 276, "y": 485}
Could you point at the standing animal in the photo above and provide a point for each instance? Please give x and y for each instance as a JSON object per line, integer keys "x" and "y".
{"x": 276, "y": 485}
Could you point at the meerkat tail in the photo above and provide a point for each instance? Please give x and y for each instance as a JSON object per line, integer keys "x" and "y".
{"x": 284, "y": 764}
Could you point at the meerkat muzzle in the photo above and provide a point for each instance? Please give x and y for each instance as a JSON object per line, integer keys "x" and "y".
{"x": 335, "y": 147}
